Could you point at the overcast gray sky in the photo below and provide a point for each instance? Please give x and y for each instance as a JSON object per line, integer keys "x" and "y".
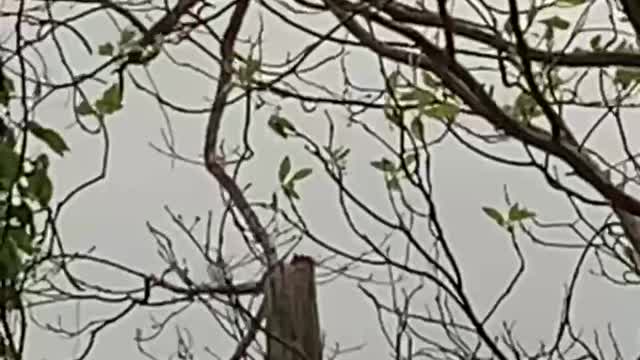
{"x": 112, "y": 214}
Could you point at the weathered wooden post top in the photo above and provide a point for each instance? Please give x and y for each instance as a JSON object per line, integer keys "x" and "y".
{"x": 293, "y": 325}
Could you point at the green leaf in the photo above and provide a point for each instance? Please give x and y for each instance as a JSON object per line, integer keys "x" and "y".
{"x": 10, "y": 262}
{"x": 23, "y": 213}
{"x": 285, "y": 167}
{"x": 40, "y": 187}
{"x": 494, "y": 214}
{"x": 445, "y": 111}
{"x": 126, "y": 36}
{"x": 106, "y": 49}
{"x": 10, "y": 299}
{"x": 338, "y": 156}
{"x": 392, "y": 114}
{"x": 41, "y": 162}
{"x": 417, "y": 127}
{"x": 301, "y": 174}
{"x": 595, "y": 42}
{"x": 525, "y": 107}
{"x": 280, "y": 125}
{"x": 428, "y": 80}
{"x": 285, "y": 123}
{"x": 3, "y": 209}
{"x": 518, "y": 214}
{"x": 84, "y": 108}
{"x": 556, "y": 22}
{"x": 625, "y": 76}
{"x": 22, "y": 239}
{"x": 508, "y": 29}
{"x": 570, "y": 3}
{"x": 393, "y": 183}
{"x": 278, "y": 129}
{"x": 290, "y": 191}
{"x": 246, "y": 72}
{"x": 625, "y": 46}
{"x": 6, "y": 88}
{"x": 342, "y": 154}
{"x": 9, "y": 166}
{"x": 111, "y": 100}
{"x": 49, "y": 137}
{"x": 410, "y": 159}
{"x": 423, "y": 97}
{"x": 383, "y": 165}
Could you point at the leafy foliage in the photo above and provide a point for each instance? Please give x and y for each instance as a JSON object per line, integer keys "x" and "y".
{"x": 247, "y": 71}
{"x": 384, "y": 165}
{"x": 556, "y": 22}
{"x": 9, "y": 167}
{"x": 515, "y": 215}
{"x": 394, "y": 173}
{"x": 6, "y": 88}
{"x": 49, "y": 137}
{"x": 338, "y": 157}
{"x": 428, "y": 99}
{"x": 626, "y": 77}
{"x": 25, "y": 188}
{"x": 109, "y": 103}
{"x": 288, "y": 182}
{"x": 18, "y": 229}
{"x": 106, "y": 49}
{"x": 126, "y": 36}
{"x": 281, "y": 126}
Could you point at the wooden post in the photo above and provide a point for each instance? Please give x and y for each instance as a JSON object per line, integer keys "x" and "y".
{"x": 293, "y": 325}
